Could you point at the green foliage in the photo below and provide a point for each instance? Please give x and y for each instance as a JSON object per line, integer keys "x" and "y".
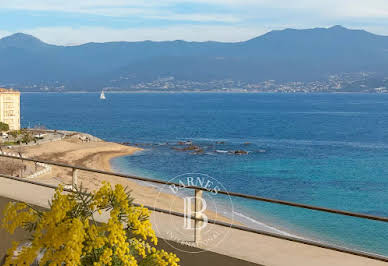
{"x": 14, "y": 133}
{"x": 8, "y": 143}
{"x": 4, "y": 127}
{"x": 27, "y": 137}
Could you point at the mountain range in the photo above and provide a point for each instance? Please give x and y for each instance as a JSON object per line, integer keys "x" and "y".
{"x": 283, "y": 55}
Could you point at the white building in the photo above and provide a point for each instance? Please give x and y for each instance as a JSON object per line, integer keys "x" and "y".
{"x": 10, "y": 108}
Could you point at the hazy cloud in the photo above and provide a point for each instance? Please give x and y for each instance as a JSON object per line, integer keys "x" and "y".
{"x": 358, "y": 8}
{"x": 222, "y": 20}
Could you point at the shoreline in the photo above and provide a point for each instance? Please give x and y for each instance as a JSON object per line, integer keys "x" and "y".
{"x": 97, "y": 155}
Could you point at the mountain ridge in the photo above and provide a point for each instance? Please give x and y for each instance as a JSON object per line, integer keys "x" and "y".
{"x": 21, "y": 35}
{"x": 282, "y": 55}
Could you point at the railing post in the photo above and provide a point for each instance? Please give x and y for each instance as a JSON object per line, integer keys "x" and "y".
{"x": 21, "y": 169}
{"x": 74, "y": 180}
{"x": 197, "y": 224}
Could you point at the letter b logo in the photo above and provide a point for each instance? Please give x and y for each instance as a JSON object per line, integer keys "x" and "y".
{"x": 197, "y": 213}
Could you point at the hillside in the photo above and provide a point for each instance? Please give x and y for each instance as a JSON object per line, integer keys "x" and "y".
{"x": 285, "y": 56}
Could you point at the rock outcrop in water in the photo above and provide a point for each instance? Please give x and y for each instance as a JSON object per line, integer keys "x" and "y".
{"x": 191, "y": 147}
{"x": 239, "y": 152}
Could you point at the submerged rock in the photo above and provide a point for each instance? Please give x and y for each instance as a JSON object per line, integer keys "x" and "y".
{"x": 194, "y": 148}
{"x": 240, "y": 152}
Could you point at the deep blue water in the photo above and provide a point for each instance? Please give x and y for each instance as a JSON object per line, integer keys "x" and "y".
{"x": 329, "y": 150}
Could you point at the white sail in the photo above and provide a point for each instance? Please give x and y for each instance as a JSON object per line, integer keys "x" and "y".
{"x": 102, "y": 96}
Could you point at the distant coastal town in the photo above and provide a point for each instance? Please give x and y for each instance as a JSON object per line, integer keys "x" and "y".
{"x": 348, "y": 82}
{"x": 345, "y": 82}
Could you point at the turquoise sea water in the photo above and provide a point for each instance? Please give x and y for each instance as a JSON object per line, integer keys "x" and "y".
{"x": 329, "y": 150}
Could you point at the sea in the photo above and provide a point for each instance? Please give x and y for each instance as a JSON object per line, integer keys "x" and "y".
{"x": 328, "y": 150}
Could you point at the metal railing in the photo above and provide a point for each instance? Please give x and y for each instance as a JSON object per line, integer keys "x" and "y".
{"x": 198, "y": 193}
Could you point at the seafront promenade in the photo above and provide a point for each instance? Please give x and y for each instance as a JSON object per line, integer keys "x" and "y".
{"x": 247, "y": 246}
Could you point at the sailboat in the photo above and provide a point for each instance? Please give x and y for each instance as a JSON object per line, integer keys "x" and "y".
{"x": 102, "y": 96}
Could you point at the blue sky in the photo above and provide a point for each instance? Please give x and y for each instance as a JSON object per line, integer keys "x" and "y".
{"x": 74, "y": 22}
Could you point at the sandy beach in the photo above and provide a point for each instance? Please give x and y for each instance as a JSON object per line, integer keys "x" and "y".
{"x": 97, "y": 154}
